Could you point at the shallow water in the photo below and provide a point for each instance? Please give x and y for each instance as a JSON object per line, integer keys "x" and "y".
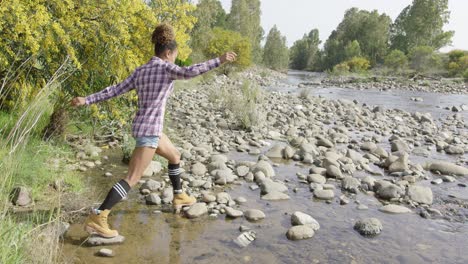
{"x": 168, "y": 238}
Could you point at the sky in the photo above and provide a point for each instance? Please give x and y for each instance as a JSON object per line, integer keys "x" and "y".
{"x": 294, "y": 18}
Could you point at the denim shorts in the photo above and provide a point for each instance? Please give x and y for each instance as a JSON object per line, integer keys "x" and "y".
{"x": 148, "y": 141}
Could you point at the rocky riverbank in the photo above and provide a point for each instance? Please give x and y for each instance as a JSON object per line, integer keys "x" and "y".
{"x": 348, "y": 150}
{"x": 435, "y": 85}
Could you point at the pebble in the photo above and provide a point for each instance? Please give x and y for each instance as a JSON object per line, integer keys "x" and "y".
{"x": 368, "y": 226}
{"x": 104, "y": 252}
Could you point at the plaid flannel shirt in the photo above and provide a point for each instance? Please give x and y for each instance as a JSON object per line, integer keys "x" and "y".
{"x": 153, "y": 82}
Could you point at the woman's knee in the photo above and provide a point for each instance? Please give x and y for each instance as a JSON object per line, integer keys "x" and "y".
{"x": 175, "y": 157}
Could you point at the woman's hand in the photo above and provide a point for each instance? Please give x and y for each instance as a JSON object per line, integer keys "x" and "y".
{"x": 78, "y": 101}
{"x": 228, "y": 57}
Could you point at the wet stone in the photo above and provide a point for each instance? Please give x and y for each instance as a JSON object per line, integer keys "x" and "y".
{"x": 95, "y": 240}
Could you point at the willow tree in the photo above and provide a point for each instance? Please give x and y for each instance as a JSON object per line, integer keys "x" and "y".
{"x": 275, "y": 52}
{"x": 245, "y": 19}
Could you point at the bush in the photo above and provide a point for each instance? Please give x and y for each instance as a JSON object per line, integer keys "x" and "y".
{"x": 458, "y": 63}
{"x": 465, "y": 75}
{"x": 396, "y": 60}
{"x": 358, "y": 64}
{"x": 341, "y": 68}
{"x": 222, "y": 41}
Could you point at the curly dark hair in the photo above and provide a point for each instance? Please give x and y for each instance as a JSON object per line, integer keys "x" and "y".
{"x": 163, "y": 39}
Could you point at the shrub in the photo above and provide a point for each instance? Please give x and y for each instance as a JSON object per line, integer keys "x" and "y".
{"x": 396, "y": 60}
{"x": 358, "y": 64}
{"x": 341, "y": 68}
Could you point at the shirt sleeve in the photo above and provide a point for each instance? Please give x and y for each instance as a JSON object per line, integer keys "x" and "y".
{"x": 177, "y": 73}
{"x": 112, "y": 91}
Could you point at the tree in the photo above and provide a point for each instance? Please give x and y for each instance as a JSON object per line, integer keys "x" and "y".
{"x": 223, "y": 40}
{"x": 275, "y": 52}
{"x": 209, "y": 14}
{"x": 396, "y": 60}
{"x": 369, "y": 29}
{"x": 245, "y": 19}
{"x": 304, "y": 54}
{"x": 421, "y": 24}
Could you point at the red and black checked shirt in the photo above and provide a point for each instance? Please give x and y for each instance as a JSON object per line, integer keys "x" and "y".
{"x": 153, "y": 82}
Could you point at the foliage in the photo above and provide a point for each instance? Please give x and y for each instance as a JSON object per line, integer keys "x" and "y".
{"x": 222, "y": 41}
{"x": 396, "y": 60}
{"x": 245, "y": 19}
{"x": 275, "y": 52}
{"x": 359, "y": 28}
{"x": 421, "y": 24}
{"x": 304, "y": 54}
{"x": 457, "y": 63}
{"x": 102, "y": 42}
{"x": 424, "y": 59}
{"x": 209, "y": 14}
{"x": 341, "y": 68}
{"x": 358, "y": 64}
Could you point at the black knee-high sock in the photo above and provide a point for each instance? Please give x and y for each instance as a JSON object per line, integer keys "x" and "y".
{"x": 117, "y": 193}
{"x": 174, "y": 175}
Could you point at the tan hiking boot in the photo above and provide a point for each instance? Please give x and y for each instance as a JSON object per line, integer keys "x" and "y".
{"x": 97, "y": 224}
{"x": 182, "y": 200}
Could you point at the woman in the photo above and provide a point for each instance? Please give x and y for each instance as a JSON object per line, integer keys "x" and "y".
{"x": 153, "y": 83}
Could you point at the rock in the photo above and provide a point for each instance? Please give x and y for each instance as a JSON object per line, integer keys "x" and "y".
{"x": 324, "y": 142}
{"x": 275, "y": 152}
{"x": 288, "y": 152}
{"x": 224, "y": 176}
{"x": 105, "y": 252}
{"x": 399, "y": 145}
{"x": 350, "y": 184}
{"x": 95, "y": 240}
{"x": 167, "y": 195}
{"x": 317, "y": 178}
{"x": 198, "y": 169}
{"x": 108, "y": 174}
{"x": 153, "y": 199}
{"x": 390, "y": 191}
{"x": 151, "y": 185}
{"x": 153, "y": 167}
{"x": 394, "y": 209}
{"x": 400, "y": 165}
{"x": 268, "y": 186}
{"x": 437, "y": 181}
{"x": 242, "y": 171}
{"x": 368, "y": 226}
{"x": 334, "y": 172}
{"x": 20, "y": 196}
{"x": 275, "y": 196}
{"x": 454, "y": 150}
{"x": 208, "y": 198}
{"x": 420, "y": 194}
{"x": 223, "y": 198}
{"x": 231, "y": 212}
{"x": 299, "y": 218}
{"x": 254, "y": 215}
{"x": 196, "y": 210}
{"x": 324, "y": 194}
{"x": 447, "y": 168}
{"x": 300, "y": 232}
{"x": 245, "y": 238}
{"x": 240, "y": 200}
{"x": 264, "y": 167}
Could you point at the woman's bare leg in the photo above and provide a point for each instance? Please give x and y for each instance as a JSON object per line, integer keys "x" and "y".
{"x": 167, "y": 150}
{"x": 141, "y": 158}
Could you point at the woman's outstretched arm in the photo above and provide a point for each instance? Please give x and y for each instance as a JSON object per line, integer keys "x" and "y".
{"x": 109, "y": 92}
{"x": 176, "y": 73}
